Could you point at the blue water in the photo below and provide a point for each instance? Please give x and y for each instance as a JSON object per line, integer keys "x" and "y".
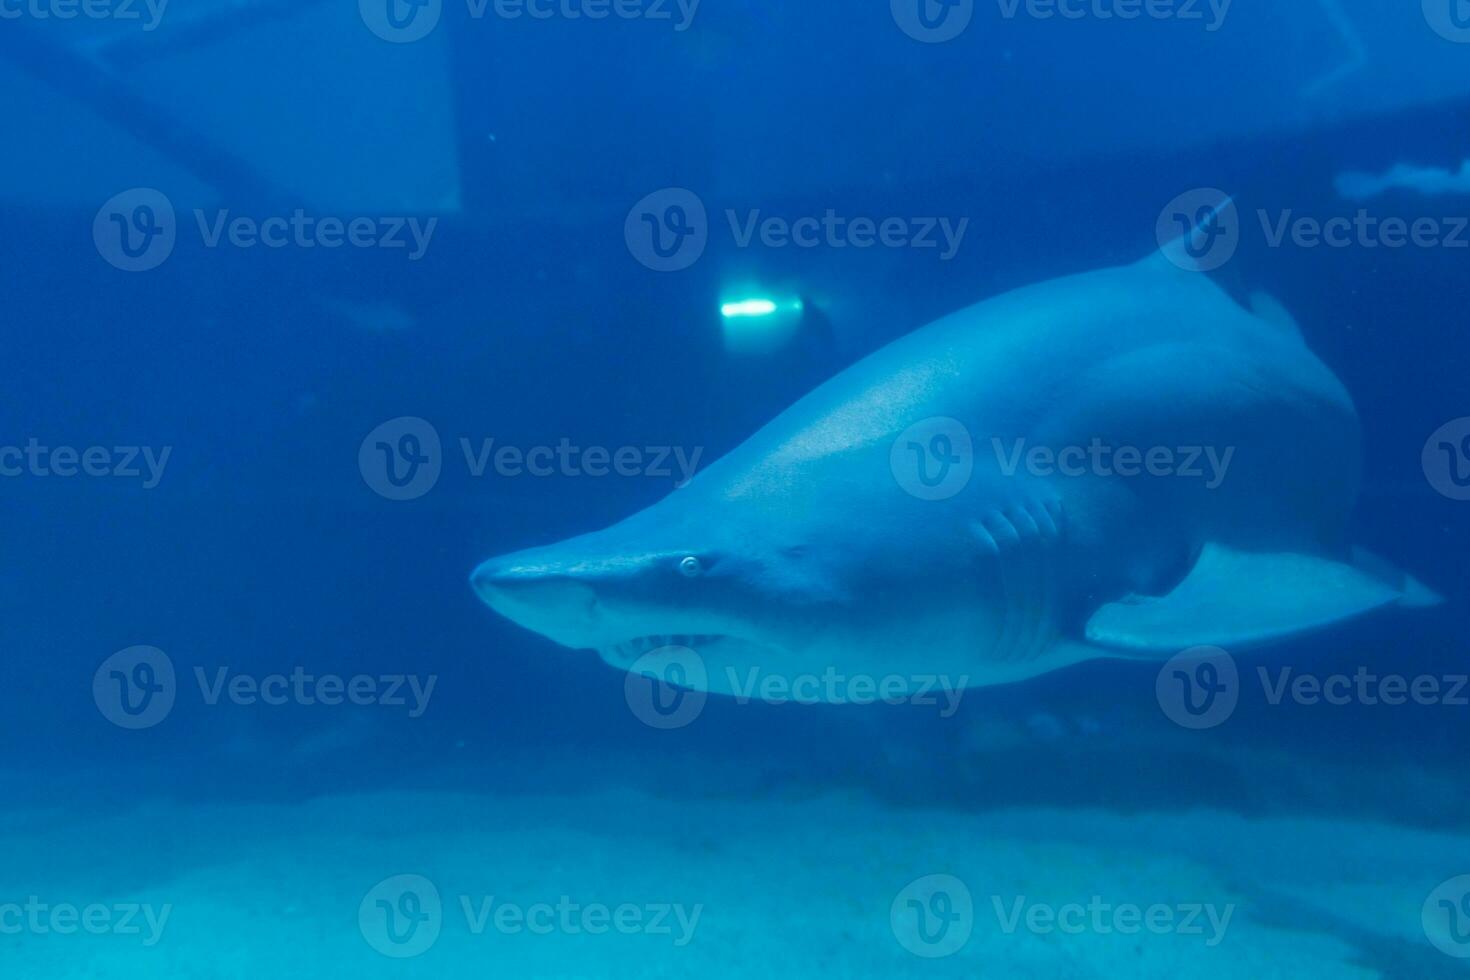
{"x": 242, "y": 526}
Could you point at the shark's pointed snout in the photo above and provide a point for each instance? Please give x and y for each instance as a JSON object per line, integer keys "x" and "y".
{"x": 501, "y": 577}
{"x": 539, "y": 597}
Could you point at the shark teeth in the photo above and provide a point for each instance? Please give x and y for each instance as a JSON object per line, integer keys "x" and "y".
{"x": 638, "y": 646}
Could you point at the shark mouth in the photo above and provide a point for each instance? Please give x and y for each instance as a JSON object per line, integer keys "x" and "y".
{"x": 631, "y": 650}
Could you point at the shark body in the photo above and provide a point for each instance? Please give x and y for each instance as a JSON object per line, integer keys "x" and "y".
{"x": 942, "y": 507}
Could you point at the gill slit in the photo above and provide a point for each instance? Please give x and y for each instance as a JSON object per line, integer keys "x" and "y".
{"x": 1024, "y": 548}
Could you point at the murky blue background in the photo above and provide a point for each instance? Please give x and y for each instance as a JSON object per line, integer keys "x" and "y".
{"x": 529, "y": 319}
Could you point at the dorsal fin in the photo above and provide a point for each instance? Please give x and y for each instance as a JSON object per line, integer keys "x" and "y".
{"x": 1184, "y": 252}
{"x": 1267, "y": 307}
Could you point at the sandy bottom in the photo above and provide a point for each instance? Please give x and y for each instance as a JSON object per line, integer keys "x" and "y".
{"x": 625, "y": 885}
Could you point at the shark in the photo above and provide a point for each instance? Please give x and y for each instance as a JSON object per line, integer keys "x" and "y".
{"x": 1013, "y": 489}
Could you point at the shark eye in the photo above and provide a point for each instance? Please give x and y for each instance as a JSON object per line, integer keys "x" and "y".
{"x": 690, "y": 567}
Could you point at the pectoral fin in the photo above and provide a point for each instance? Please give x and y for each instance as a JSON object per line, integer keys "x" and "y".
{"x": 1235, "y": 599}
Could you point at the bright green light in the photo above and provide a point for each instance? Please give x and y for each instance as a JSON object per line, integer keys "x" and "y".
{"x": 750, "y": 308}
{"x": 757, "y": 322}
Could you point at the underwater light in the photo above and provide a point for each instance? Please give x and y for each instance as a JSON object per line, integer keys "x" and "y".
{"x": 757, "y": 322}
{"x": 757, "y": 308}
